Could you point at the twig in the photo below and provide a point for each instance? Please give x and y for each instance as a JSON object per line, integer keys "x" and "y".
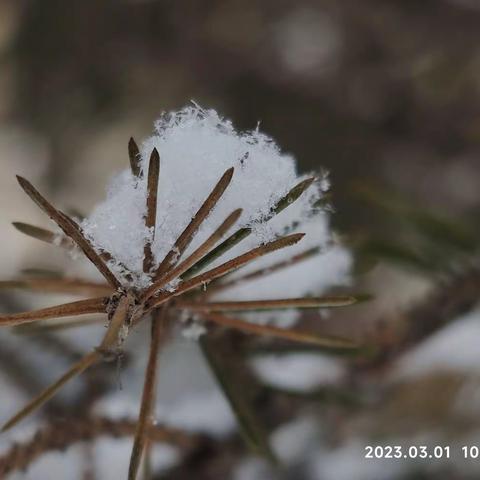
{"x": 63, "y": 434}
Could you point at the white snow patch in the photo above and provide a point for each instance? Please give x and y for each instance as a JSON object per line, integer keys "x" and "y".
{"x": 300, "y": 371}
{"x": 453, "y": 348}
{"x": 294, "y": 440}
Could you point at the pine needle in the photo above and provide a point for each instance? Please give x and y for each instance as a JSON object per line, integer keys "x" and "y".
{"x": 92, "y": 305}
{"x": 265, "y": 271}
{"x": 79, "y": 367}
{"x": 197, "y": 254}
{"x": 110, "y": 340}
{"x": 233, "y": 388}
{"x": 292, "y": 196}
{"x": 71, "y": 229}
{"x": 134, "y": 156}
{"x": 186, "y": 236}
{"x": 35, "y": 272}
{"x": 226, "y": 267}
{"x": 284, "y": 303}
{"x": 151, "y": 217}
{"x": 58, "y": 285}
{"x": 244, "y": 232}
{"x": 44, "y": 235}
{"x": 145, "y": 418}
{"x": 286, "y": 334}
{"x": 47, "y": 327}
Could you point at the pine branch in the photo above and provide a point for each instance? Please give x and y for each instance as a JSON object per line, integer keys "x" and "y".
{"x": 61, "y": 435}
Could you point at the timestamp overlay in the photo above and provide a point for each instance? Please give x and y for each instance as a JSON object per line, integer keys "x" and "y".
{"x": 421, "y": 452}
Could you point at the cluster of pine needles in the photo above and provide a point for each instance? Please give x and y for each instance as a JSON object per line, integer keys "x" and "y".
{"x": 125, "y": 306}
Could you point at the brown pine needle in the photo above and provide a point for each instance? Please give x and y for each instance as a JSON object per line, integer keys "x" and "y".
{"x": 227, "y": 267}
{"x": 134, "y": 156}
{"x": 284, "y": 303}
{"x": 186, "y": 236}
{"x": 92, "y": 305}
{"x": 109, "y": 342}
{"x": 32, "y": 329}
{"x": 34, "y": 272}
{"x": 150, "y": 219}
{"x": 79, "y": 367}
{"x": 98, "y": 259}
{"x": 58, "y": 285}
{"x": 44, "y": 235}
{"x": 265, "y": 271}
{"x": 286, "y": 334}
{"x": 292, "y": 195}
{"x": 145, "y": 418}
{"x": 71, "y": 229}
{"x": 197, "y": 254}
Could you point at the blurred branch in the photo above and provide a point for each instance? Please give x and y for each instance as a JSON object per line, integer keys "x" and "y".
{"x": 61, "y": 435}
{"x": 450, "y": 299}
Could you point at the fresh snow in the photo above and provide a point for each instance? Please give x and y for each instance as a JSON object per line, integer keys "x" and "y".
{"x": 196, "y": 147}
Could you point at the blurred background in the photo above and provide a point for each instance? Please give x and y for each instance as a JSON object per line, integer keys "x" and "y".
{"x": 383, "y": 94}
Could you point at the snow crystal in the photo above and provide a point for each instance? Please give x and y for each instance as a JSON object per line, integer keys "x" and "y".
{"x": 196, "y": 147}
